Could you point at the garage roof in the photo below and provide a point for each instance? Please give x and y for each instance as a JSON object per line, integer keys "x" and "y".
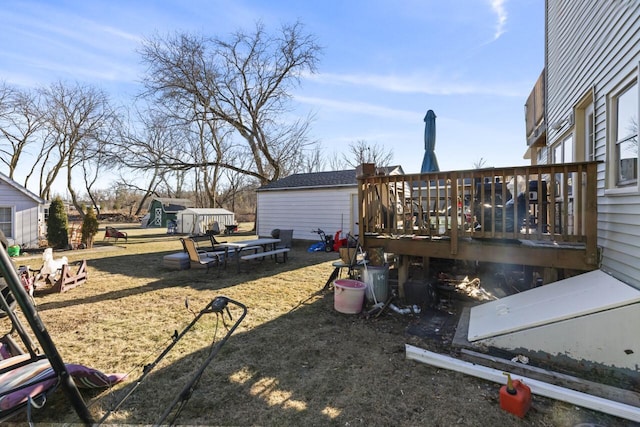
{"x": 346, "y": 178}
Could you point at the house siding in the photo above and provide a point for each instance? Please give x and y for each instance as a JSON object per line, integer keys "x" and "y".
{"x": 27, "y": 215}
{"x": 596, "y": 45}
{"x": 305, "y": 210}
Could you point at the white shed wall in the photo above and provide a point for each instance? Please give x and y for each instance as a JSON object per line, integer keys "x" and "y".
{"x": 197, "y": 222}
{"x": 27, "y": 216}
{"x": 305, "y": 210}
{"x": 596, "y": 45}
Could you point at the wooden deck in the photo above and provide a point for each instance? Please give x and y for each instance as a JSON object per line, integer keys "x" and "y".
{"x": 539, "y": 216}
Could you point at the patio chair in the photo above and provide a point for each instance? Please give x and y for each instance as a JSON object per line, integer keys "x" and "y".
{"x": 286, "y": 238}
{"x": 202, "y": 259}
{"x": 207, "y": 243}
{"x": 114, "y": 233}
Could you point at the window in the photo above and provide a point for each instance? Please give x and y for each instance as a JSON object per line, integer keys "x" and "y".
{"x": 563, "y": 153}
{"x": 5, "y": 222}
{"x": 626, "y": 135}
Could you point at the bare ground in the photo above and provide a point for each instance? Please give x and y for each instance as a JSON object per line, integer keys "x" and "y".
{"x": 294, "y": 360}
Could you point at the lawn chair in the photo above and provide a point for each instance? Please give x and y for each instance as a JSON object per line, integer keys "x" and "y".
{"x": 207, "y": 243}
{"x": 286, "y": 239}
{"x": 202, "y": 259}
{"x": 114, "y": 233}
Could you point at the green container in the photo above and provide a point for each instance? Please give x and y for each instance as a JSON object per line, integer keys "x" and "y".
{"x": 13, "y": 250}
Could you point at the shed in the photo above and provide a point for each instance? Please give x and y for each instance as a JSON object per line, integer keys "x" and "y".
{"x": 198, "y": 220}
{"x": 22, "y": 216}
{"x": 163, "y": 210}
{"x": 307, "y": 201}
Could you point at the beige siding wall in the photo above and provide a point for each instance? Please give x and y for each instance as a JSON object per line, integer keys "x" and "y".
{"x": 596, "y": 45}
{"x": 306, "y": 210}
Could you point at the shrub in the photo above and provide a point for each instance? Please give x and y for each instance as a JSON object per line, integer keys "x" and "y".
{"x": 89, "y": 227}
{"x": 57, "y": 225}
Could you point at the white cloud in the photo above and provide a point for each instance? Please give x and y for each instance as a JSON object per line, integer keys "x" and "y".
{"x": 498, "y": 8}
{"x": 419, "y": 84}
{"x": 358, "y": 107}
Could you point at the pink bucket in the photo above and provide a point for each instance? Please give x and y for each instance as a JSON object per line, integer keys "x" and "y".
{"x": 348, "y": 295}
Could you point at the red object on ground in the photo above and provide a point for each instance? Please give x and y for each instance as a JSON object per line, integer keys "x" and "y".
{"x": 515, "y": 397}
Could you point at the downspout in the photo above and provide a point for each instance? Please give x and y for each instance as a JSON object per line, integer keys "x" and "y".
{"x": 540, "y": 388}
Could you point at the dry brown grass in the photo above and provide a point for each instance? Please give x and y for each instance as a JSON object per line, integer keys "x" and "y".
{"x": 293, "y": 361}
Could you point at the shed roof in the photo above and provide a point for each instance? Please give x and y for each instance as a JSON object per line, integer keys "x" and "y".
{"x": 330, "y": 179}
{"x": 21, "y": 189}
{"x": 346, "y": 178}
{"x": 173, "y": 205}
{"x": 207, "y": 211}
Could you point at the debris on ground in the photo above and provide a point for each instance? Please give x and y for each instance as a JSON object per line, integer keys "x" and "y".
{"x": 463, "y": 286}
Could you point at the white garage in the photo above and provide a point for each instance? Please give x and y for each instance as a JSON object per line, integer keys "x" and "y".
{"x": 308, "y": 201}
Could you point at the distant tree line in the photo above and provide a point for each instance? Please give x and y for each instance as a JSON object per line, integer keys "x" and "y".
{"x": 213, "y": 123}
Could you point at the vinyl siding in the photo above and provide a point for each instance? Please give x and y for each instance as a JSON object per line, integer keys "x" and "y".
{"x": 26, "y": 216}
{"x": 306, "y": 210}
{"x": 596, "y": 44}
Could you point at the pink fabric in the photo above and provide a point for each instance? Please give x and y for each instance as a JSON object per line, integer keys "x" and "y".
{"x": 83, "y": 377}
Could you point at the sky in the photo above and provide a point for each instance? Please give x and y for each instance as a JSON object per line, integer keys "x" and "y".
{"x": 384, "y": 63}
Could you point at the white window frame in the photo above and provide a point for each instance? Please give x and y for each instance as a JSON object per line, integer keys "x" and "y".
{"x": 562, "y": 144}
{"x": 615, "y": 187}
{"x": 566, "y": 144}
{"x": 11, "y": 221}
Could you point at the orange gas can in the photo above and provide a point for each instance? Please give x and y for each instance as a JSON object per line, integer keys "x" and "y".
{"x": 515, "y": 397}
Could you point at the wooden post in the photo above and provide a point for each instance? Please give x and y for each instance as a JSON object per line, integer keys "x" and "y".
{"x": 455, "y": 212}
{"x": 403, "y": 274}
{"x": 363, "y": 171}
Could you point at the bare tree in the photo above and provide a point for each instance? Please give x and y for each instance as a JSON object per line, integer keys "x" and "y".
{"x": 245, "y": 83}
{"x": 20, "y": 121}
{"x": 208, "y": 146}
{"x": 148, "y": 140}
{"x": 75, "y": 118}
{"x": 314, "y": 161}
{"x": 479, "y": 164}
{"x": 362, "y": 152}
{"x": 234, "y": 183}
{"x": 335, "y": 162}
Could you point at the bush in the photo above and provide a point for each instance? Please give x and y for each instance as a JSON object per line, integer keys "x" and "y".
{"x": 57, "y": 225}
{"x": 89, "y": 227}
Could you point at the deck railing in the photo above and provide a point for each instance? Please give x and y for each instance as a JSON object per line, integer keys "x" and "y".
{"x": 555, "y": 203}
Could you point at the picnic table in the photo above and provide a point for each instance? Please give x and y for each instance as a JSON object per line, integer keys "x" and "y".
{"x": 261, "y": 247}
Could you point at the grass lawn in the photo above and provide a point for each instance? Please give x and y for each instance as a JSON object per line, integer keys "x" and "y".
{"x": 294, "y": 360}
